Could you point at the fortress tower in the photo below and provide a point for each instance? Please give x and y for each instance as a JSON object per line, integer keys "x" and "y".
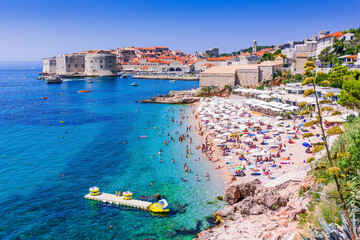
{"x": 254, "y": 46}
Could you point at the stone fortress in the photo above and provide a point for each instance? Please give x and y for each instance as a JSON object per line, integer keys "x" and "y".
{"x": 89, "y": 63}
{"x": 110, "y": 62}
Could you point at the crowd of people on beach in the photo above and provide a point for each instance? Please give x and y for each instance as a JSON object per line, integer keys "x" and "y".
{"x": 247, "y": 143}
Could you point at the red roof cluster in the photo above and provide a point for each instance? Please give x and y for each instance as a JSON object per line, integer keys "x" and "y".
{"x": 335, "y": 34}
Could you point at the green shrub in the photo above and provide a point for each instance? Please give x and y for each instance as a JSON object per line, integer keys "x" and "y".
{"x": 336, "y": 113}
{"x": 310, "y": 159}
{"x": 318, "y": 148}
{"x": 307, "y": 135}
{"x": 334, "y": 131}
{"x": 325, "y": 101}
{"x": 327, "y": 109}
{"x": 305, "y": 112}
{"x": 311, "y": 123}
{"x": 302, "y": 104}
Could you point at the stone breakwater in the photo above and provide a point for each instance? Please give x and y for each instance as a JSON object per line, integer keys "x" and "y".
{"x": 258, "y": 212}
{"x": 176, "y": 97}
{"x": 166, "y": 77}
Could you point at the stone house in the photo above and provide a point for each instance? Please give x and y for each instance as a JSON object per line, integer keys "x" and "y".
{"x": 242, "y": 74}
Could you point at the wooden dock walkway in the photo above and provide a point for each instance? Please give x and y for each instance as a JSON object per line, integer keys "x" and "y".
{"x": 112, "y": 198}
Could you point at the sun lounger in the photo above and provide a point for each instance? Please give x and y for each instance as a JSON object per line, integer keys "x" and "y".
{"x": 255, "y": 174}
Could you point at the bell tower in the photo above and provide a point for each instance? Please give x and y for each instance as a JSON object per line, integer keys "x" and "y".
{"x": 254, "y": 46}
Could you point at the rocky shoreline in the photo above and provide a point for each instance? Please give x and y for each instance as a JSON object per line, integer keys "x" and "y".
{"x": 167, "y": 77}
{"x": 258, "y": 212}
{"x": 176, "y": 97}
{"x": 187, "y": 96}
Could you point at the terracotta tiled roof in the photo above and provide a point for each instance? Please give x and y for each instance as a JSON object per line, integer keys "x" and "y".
{"x": 352, "y": 56}
{"x": 153, "y": 60}
{"x": 335, "y": 34}
{"x": 218, "y": 59}
{"x": 168, "y": 57}
{"x": 208, "y": 65}
{"x": 165, "y": 62}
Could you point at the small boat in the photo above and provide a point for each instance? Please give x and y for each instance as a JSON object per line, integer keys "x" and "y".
{"x": 54, "y": 79}
{"x": 134, "y": 84}
{"x": 172, "y": 80}
{"x": 124, "y": 75}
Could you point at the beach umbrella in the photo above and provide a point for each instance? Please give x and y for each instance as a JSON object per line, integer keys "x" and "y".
{"x": 254, "y": 150}
{"x": 218, "y": 127}
{"x": 305, "y": 144}
{"x": 248, "y": 139}
{"x": 238, "y": 168}
{"x": 264, "y": 131}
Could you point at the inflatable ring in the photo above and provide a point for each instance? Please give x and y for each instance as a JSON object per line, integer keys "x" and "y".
{"x": 127, "y": 194}
{"x": 94, "y": 193}
{"x": 94, "y": 189}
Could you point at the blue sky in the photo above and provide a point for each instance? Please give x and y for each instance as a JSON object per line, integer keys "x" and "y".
{"x": 33, "y": 29}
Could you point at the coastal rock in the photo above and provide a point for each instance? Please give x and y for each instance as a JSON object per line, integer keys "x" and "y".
{"x": 237, "y": 191}
{"x": 270, "y": 198}
{"x": 226, "y": 211}
{"x": 257, "y": 209}
{"x": 265, "y": 213}
{"x": 175, "y": 97}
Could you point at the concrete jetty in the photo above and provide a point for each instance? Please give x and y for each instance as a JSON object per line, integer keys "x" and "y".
{"x": 111, "y": 198}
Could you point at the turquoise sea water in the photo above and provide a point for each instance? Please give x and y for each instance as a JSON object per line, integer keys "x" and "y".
{"x": 37, "y": 148}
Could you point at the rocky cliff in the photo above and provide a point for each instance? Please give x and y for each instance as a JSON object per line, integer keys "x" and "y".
{"x": 257, "y": 212}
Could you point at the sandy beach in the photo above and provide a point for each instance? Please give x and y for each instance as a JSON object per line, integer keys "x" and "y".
{"x": 256, "y": 146}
